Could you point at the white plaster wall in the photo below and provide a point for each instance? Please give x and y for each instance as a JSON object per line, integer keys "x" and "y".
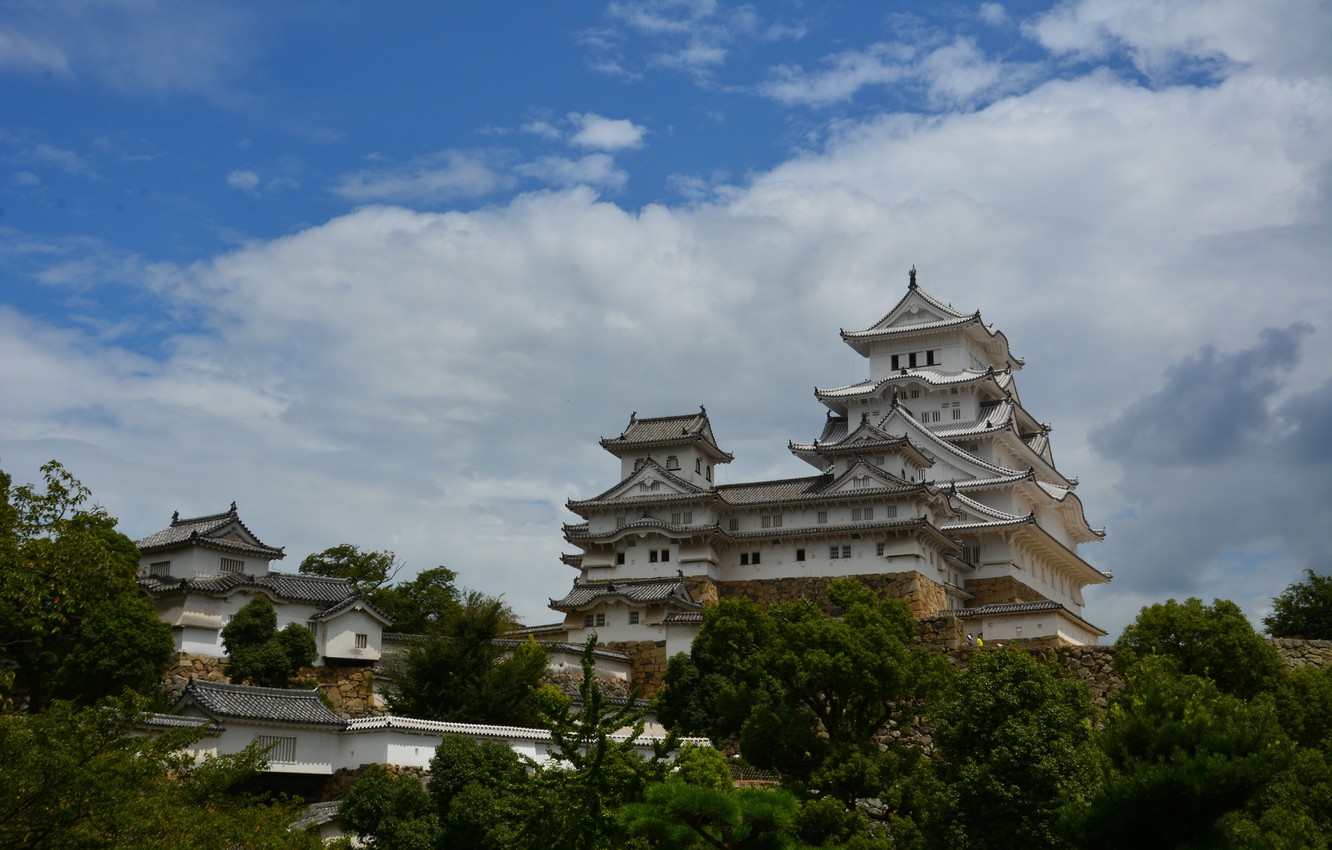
{"x": 341, "y": 634}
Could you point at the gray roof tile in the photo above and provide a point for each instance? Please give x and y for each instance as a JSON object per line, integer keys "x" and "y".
{"x": 639, "y": 592}
{"x": 222, "y": 531}
{"x": 242, "y": 702}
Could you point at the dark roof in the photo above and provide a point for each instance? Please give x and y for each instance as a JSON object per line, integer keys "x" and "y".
{"x": 318, "y": 590}
{"x": 663, "y": 431}
{"x": 1000, "y": 609}
{"x": 356, "y": 600}
{"x": 274, "y": 705}
{"x": 224, "y": 532}
{"x": 641, "y": 592}
{"x": 564, "y": 646}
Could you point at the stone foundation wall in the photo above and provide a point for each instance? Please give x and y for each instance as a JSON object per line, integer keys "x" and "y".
{"x": 569, "y": 681}
{"x": 649, "y": 662}
{"x": 925, "y": 598}
{"x": 349, "y": 690}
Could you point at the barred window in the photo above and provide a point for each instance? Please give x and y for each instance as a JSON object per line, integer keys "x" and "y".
{"x": 233, "y": 565}
{"x": 362, "y": 641}
{"x": 280, "y": 749}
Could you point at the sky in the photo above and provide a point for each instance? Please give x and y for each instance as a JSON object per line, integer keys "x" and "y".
{"x": 384, "y": 274}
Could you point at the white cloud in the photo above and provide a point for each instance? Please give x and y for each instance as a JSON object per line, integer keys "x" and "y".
{"x": 25, "y": 178}
{"x": 596, "y": 169}
{"x": 438, "y": 177}
{"x": 607, "y": 134}
{"x": 993, "y": 13}
{"x": 245, "y": 180}
{"x": 20, "y": 53}
{"x": 845, "y": 74}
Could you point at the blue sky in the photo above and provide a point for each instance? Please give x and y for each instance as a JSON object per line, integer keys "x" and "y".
{"x": 385, "y": 275}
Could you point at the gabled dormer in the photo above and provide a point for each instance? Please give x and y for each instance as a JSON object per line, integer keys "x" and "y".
{"x": 217, "y": 544}
{"x": 682, "y": 445}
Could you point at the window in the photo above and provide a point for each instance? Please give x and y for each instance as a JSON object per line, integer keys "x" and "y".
{"x": 929, "y": 357}
{"x": 698, "y": 465}
{"x": 878, "y": 549}
{"x": 655, "y": 555}
{"x": 682, "y": 518}
{"x": 233, "y": 565}
{"x": 619, "y": 522}
{"x": 834, "y": 552}
{"x": 747, "y": 558}
{"x": 971, "y": 554}
{"x": 709, "y": 473}
{"x": 772, "y": 520}
{"x": 862, "y": 513}
{"x": 897, "y": 362}
{"x": 915, "y": 393}
{"x": 159, "y": 568}
{"x": 933, "y": 415}
{"x": 957, "y": 414}
{"x": 911, "y": 360}
{"x": 892, "y": 511}
{"x": 672, "y": 462}
{"x": 601, "y": 619}
{"x": 652, "y": 557}
{"x": 362, "y": 641}
{"x": 800, "y": 554}
{"x": 878, "y": 460}
{"x": 823, "y": 517}
{"x": 587, "y": 621}
{"x": 733, "y": 525}
{"x": 279, "y": 749}
{"x": 665, "y": 555}
{"x": 744, "y": 559}
{"x": 633, "y": 618}
{"x": 754, "y": 558}
{"x": 619, "y": 559}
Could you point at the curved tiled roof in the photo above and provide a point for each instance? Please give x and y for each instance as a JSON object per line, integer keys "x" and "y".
{"x": 274, "y": 705}
{"x": 209, "y": 532}
{"x": 581, "y": 531}
{"x": 1002, "y": 609}
{"x": 683, "y": 617}
{"x": 932, "y": 375}
{"x": 563, "y": 646}
{"x": 333, "y": 595}
{"x": 356, "y": 599}
{"x": 663, "y": 431}
{"x": 638, "y": 592}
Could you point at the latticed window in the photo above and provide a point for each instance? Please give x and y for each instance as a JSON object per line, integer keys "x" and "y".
{"x": 362, "y": 641}
{"x": 279, "y": 749}
{"x": 159, "y": 568}
{"x": 233, "y": 565}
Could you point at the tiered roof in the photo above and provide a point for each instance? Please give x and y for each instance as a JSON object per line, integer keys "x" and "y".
{"x": 244, "y": 702}
{"x": 224, "y": 532}
{"x": 638, "y": 592}
{"x": 665, "y": 432}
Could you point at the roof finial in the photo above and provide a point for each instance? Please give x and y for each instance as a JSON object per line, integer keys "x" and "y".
{"x": 175, "y": 517}
{"x": 233, "y": 507}
{"x": 633, "y": 416}
{"x": 911, "y": 283}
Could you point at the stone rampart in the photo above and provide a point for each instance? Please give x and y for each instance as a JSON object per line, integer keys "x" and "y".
{"x": 348, "y": 690}
{"x": 924, "y": 597}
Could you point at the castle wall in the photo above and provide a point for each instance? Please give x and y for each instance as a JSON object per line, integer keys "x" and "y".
{"x": 350, "y": 691}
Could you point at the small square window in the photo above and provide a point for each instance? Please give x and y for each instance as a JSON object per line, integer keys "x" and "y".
{"x": 601, "y": 619}
{"x": 159, "y": 568}
{"x": 633, "y": 618}
{"x": 744, "y": 559}
{"x": 587, "y": 621}
{"x": 800, "y": 554}
{"x": 362, "y": 641}
{"x": 619, "y": 559}
{"x": 733, "y": 525}
{"x": 233, "y": 565}
{"x": 823, "y": 517}
{"x": 834, "y": 552}
{"x": 846, "y": 551}
{"x": 755, "y": 558}
{"x": 665, "y": 555}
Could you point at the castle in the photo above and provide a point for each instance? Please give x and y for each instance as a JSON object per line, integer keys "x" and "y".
{"x": 932, "y": 484}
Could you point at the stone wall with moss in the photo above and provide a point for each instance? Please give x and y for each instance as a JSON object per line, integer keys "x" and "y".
{"x": 649, "y": 662}
{"x": 924, "y": 597}
{"x": 992, "y": 591}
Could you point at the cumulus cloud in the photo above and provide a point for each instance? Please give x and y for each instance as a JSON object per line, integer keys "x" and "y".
{"x": 596, "y": 169}
{"x": 607, "y": 134}
{"x": 245, "y": 180}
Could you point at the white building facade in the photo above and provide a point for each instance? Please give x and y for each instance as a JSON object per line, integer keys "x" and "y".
{"x": 933, "y": 484}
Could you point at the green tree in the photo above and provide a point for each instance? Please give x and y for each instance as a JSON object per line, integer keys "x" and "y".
{"x": 259, "y": 652}
{"x": 423, "y": 604}
{"x": 59, "y": 560}
{"x": 1303, "y": 610}
{"x": 1215, "y": 641}
{"x": 391, "y": 812}
{"x": 483, "y": 794}
{"x": 598, "y": 768}
{"x": 457, "y": 672}
{"x": 123, "y": 644}
{"x": 79, "y": 779}
{"x": 1013, "y": 745}
{"x": 808, "y": 694}
{"x": 1179, "y": 756}
{"x": 365, "y": 570}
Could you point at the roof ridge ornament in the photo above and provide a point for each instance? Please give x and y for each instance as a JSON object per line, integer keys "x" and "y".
{"x": 175, "y": 517}
{"x": 911, "y": 281}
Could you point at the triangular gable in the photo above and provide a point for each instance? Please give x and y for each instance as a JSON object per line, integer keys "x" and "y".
{"x": 915, "y": 307}
{"x": 898, "y": 422}
{"x": 651, "y": 479}
{"x": 863, "y": 476}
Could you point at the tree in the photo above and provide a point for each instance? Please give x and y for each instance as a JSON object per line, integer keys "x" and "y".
{"x": 419, "y": 606}
{"x": 1180, "y": 755}
{"x": 698, "y": 807}
{"x": 1013, "y": 742}
{"x": 805, "y": 693}
{"x": 79, "y": 779}
{"x": 1303, "y": 610}
{"x": 259, "y": 652}
{"x": 457, "y": 672}
{"x": 1215, "y": 641}
{"x": 597, "y": 768}
{"x": 390, "y": 812}
{"x": 123, "y": 644}
{"x": 365, "y": 570}
{"x": 59, "y": 560}
{"x": 483, "y": 794}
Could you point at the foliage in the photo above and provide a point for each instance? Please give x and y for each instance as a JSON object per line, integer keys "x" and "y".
{"x": 1014, "y": 743}
{"x": 365, "y": 570}
{"x": 123, "y": 644}
{"x": 259, "y": 652}
{"x": 457, "y": 672}
{"x": 59, "y": 560}
{"x": 482, "y": 793}
{"x": 1303, "y": 610}
{"x": 1180, "y": 754}
{"x": 599, "y": 769}
{"x": 421, "y": 605}
{"x": 392, "y": 812}
{"x": 79, "y": 778}
{"x": 681, "y": 816}
{"x": 805, "y": 693}
{"x": 1215, "y": 641}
